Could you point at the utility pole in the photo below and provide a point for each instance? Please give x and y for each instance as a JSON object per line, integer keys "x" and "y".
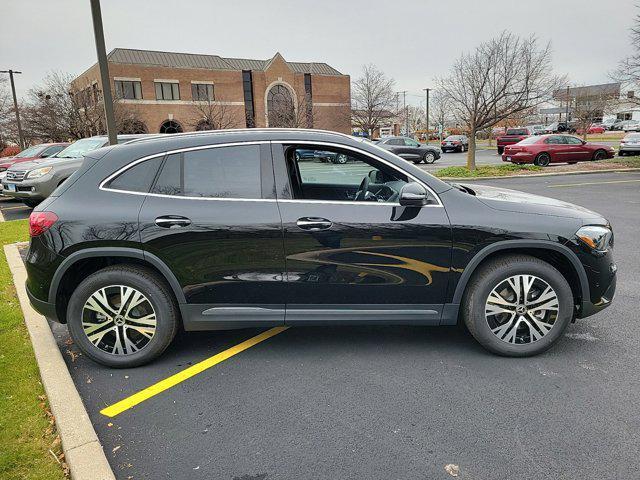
{"x": 566, "y": 114}
{"x": 104, "y": 71}
{"x": 404, "y": 107}
{"x": 427, "y": 110}
{"x": 15, "y": 106}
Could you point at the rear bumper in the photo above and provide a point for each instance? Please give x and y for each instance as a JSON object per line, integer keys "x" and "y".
{"x": 44, "y": 308}
{"x": 519, "y": 157}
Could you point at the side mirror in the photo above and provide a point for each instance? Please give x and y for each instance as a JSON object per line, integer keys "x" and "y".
{"x": 45, "y": 155}
{"x": 413, "y": 195}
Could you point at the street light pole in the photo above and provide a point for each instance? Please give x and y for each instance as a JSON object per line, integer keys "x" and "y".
{"x": 427, "y": 110}
{"x": 15, "y": 105}
{"x": 104, "y": 71}
{"x": 566, "y": 114}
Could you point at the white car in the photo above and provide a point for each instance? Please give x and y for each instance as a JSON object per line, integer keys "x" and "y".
{"x": 632, "y": 126}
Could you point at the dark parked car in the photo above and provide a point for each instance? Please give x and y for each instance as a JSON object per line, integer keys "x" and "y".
{"x": 455, "y": 143}
{"x": 409, "y": 149}
{"x": 227, "y": 230}
{"x": 547, "y": 149}
{"x": 303, "y": 154}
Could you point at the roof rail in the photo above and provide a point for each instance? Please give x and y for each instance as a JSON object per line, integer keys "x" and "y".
{"x": 232, "y": 131}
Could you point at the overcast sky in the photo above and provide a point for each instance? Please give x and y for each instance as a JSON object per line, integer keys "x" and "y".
{"x": 412, "y": 41}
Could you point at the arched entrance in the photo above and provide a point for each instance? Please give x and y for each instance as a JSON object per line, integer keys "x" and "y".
{"x": 171, "y": 126}
{"x": 280, "y": 107}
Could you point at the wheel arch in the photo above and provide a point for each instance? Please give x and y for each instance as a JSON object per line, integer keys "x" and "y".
{"x": 559, "y": 256}
{"x": 78, "y": 265}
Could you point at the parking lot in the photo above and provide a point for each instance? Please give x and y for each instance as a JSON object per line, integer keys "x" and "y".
{"x": 388, "y": 402}
{"x": 13, "y": 209}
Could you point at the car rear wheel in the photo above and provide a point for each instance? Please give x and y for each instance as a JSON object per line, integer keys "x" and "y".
{"x": 341, "y": 158}
{"x": 542, "y": 160}
{"x": 517, "y": 305}
{"x": 599, "y": 155}
{"x": 122, "y": 316}
{"x": 500, "y": 150}
{"x": 429, "y": 157}
{"x": 572, "y": 163}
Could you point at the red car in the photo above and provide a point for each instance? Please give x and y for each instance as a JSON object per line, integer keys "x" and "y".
{"x": 511, "y": 136}
{"x": 42, "y": 150}
{"x": 592, "y": 129}
{"x": 546, "y": 149}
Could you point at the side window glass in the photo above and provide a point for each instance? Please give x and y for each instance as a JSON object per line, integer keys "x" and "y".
{"x": 328, "y": 174}
{"x": 137, "y": 178}
{"x": 411, "y": 143}
{"x": 225, "y": 172}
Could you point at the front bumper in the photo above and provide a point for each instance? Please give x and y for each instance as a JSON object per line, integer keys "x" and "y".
{"x": 26, "y": 189}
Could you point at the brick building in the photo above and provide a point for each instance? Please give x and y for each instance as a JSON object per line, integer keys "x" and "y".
{"x": 173, "y": 92}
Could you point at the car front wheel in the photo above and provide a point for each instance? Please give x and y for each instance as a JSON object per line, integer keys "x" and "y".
{"x": 517, "y": 305}
{"x": 122, "y": 316}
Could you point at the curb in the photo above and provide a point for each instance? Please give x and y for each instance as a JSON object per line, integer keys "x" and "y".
{"x": 82, "y": 449}
{"x": 580, "y": 172}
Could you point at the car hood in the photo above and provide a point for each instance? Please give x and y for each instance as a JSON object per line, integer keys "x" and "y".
{"x": 42, "y": 162}
{"x": 504, "y": 199}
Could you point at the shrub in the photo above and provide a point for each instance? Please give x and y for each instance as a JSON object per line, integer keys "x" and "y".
{"x": 9, "y": 151}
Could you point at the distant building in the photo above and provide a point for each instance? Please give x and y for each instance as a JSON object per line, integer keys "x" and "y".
{"x": 179, "y": 92}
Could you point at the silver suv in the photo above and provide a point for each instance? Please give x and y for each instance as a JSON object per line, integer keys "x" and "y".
{"x": 34, "y": 181}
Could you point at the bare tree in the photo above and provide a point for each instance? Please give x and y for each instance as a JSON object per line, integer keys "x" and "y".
{"x": 628, "y": 70}
{"x": 284, "y": 112}
{"x": 440, "y": 110}
{"x": 589, "y": 108}
{"x": 501, "y": 78}
{"x": 210, "y": 114}
{"x": 416, "y": 118}
{"x": 372, "y": 98}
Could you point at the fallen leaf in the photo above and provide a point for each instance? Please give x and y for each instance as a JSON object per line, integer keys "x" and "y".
{"x": 115, "y": 449}
{"x": 452, "y": 469}
{"x": 109, "y": 424}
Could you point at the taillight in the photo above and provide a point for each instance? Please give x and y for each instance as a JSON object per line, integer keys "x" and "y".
{"x": 40, "y": 222}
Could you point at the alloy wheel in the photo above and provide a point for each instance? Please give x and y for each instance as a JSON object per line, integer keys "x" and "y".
{"x": 429, "y": 157}
{"x": 341, "y": 158}
{"x": 521, "y": 309}
{"x": 119, "y": 320}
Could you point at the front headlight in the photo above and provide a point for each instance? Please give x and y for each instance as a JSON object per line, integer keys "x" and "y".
{"x": 39, "y": 172}
{"x": 596, "y": 237}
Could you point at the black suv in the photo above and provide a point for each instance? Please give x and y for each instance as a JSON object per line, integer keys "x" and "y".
{"x": 228, "y": 229}
{"x": 409, "y": 149}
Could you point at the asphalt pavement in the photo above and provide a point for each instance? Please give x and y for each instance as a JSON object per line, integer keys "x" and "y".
{"x": 13, "y": 209}
{"x": 393, "y": 402}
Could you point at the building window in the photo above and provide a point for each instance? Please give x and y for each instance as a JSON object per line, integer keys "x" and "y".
{"x": 280, "y": 107}
{"x": 167, "y": 91}
{"x": 247, "y": 87}
{"x": 308, "y": 93}
{"x": 631, "y": 94}
{"x": 202, "y": 92}
{"x": 170, "y": 126}
{"x": 128, "y": 90}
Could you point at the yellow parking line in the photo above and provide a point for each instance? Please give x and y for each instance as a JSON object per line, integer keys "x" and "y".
{"x": 173, "y": 380}
{"x": 591, "y": 183}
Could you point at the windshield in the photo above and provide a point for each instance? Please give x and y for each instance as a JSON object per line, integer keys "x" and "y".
{"x": 517, "y": 131}
{"x": 31, "y": 151}
{"x": 80, "y": 148}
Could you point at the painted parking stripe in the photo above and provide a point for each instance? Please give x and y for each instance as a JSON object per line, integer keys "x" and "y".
{"x": 591, "y": 183}
{"x": 173, "y": 380}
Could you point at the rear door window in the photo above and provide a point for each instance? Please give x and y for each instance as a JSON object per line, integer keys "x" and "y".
{"x": 225, "y": 172}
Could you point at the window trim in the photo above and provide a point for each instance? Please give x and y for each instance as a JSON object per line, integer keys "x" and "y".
{"x": 282, "y": 144}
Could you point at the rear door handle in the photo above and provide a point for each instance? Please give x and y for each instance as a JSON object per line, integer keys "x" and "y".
{"x": 314, "y": 223}
{"x": 172, "y": 221}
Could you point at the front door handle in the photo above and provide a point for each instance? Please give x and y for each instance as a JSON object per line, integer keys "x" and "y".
{"x": 314, "y": 223}
{"x": 172, "y": 221}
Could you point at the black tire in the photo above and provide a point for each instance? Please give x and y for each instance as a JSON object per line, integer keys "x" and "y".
{"x": 32, "y": 203}
{"x": 572, "y": 163}
{"x": 340, "y": 159}
{"x": 621, "y": 153}
{"x": 146, "y": 282}
{"x": 542, "y": 160}
{"x": 599, "y": 155}
{"x": 500, "y": 150}
{"x": 488, "y": 276}
{"x": 429, "y": 157}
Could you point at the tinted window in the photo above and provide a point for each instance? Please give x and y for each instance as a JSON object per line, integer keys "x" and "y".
{"x": 395, "y": 141}
{"x": 138, "y": 178}
{"x": 225, "y": 172}
{"x": 337, "y": 175}
{"x": 555, "y": 140}
{"x": 573, "y": 141}
{"x": 52, "y": 150}
{"x": 411, "y": 143}
{"x": 517, "y": 131}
